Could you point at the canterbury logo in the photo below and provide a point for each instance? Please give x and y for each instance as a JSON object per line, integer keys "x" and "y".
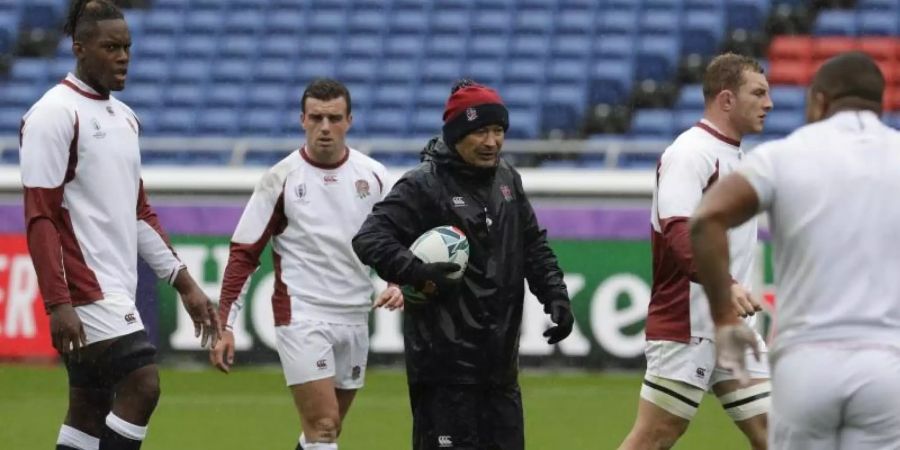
{"x": 130, "y": 319}
{"x": 445, "y": 441}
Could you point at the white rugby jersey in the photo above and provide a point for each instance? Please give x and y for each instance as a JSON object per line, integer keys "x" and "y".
{"x": 311, "y": 213}
{"x": 687, "y": 168}
{"x": 831, "y": 191}
{"x": 80, "y": 164}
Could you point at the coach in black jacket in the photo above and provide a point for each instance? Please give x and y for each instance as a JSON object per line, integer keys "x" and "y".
{"x": 462, "y": 344}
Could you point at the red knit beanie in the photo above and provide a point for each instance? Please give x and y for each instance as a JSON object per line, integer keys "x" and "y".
{"x": 472, "y": 106}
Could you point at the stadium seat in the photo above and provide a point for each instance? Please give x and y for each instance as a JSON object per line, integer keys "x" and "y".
{"x": 611, "y": 81}
{"x": 883, "y": 49}
{"x": 826, "y": 47}
{"x": 489, "y": 46}
{"x": 567, "y": 71}
{"x": 524, "y": 123}
{"x": 143, "y": 97}
{"x": 656, "y": 58}
{"x": 362, "y": 96}
{"x": 788, "y": 98}
{"x": 188, "y": 95}
{"x": 30, "y": 70}
{"x": 59, "y": 67}
{"x": 454, "y": 21}
{"x": 673, "y": 6}
{"x": 487, "y": 71}
{"x": 367, "y": 21}
{"x": 163, "y": 22}
{"x": 746, "y": 14}
{"x": 193, "y": 46}
{"x": 393, "y": 95}
{"x": 617, "y": 22}
{"x": 427, "y": 121}
{"x": 652, "y": 123}
{"x": 239, "y": 47}
{"x": 795, "y": 48}
{"x": 521, "y": 95}
{"x": 204, "y": 22}
{"x": 310, "y": 69}
{"x": 658, "y": 22}
{"x": 176, "y": 121}
{"x": 403, "y": 46}
{"x": 875, "y": 23}
{"x": 441, "y": 70}
{"x": 225, "y": 95}
{"x": 398, "y": 71}
{"x": 279, "y": 46}
{"x": 529, "y": 46}
{"x": 191, "y": 71}
{"x": 321, "y": 46}
{"x": 285, "y": 21}
{"x": 169, "y": 5}
{"x": 21, "y": 95}
{"x": 491, "y": 23}
{"x": 154, "y": 46}
{"x": 714, "y": 6}
{"x": 233, "y": 71}
{"x": 572, "y": 46}
{"x": 9, "y": 28}
{"x": 886, "y": 6}
{"x": 147, "y": 71}
{"x": 408, "y": 22}
{"x": 42, "y": 14}
{"x": 702, "y": 32}
{"x": 781, "y": 123}
{"x": 524, "y": 70}
{"x": 388, "y": 121}
{"x": 244, "y": 22}
{"x": 273, "y": 96}
{"x": 685, "y": 119}
{"x": 10, "y": 120}
{"x": 328, "y": 22}
{"x": 790, "y": 72}
{"x": 619, "y": 46}
{"x": 219, "y": 122}
{"x": 357, "y": 70}
{"x": 432, "y": 95}
{"x": 445, "y": 45}
{"x": 835, "y": 23}
{"x": 533, "y": 22}
{"x": 690, "y": 97}
{"x": 569, "y": 94}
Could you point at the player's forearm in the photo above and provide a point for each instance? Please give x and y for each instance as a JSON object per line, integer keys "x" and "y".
{"x": 709, "y": 240}
{"x": 677, "y": 235}
{"x": 46, "y": 255}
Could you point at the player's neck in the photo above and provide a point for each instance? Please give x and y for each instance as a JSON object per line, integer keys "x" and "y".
{"x": 723, "y": 125}
{"x": 97, "y": 87}
{"x": 325, "y": 158}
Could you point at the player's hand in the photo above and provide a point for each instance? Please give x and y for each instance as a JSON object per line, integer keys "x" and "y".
{"x": 66, "y": 329}
{"x": 743, "y": 302}
{"x": 560, "y": 314}
{"x": 221, "y": 355}
{"x": 732, "y": 342}
{"x": 391, "y": 298}
{"x": 434, "y": 278}
{"x": 203, "y": 313}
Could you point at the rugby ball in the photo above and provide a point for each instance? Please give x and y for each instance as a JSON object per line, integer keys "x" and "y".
{"x": 441, "y": 244}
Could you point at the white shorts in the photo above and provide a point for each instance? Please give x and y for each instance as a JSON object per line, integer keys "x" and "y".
{"x": 313, "y": 350}
{"x": 113, "y": 316}
{"x": 694, "y": 363}
{"x": 830, "y": 397}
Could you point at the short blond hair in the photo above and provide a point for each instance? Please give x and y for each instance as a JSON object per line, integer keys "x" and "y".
{"x": 726, "y": 72}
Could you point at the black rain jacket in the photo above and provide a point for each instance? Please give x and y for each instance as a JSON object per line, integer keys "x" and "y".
{"x": 471, "y": 337}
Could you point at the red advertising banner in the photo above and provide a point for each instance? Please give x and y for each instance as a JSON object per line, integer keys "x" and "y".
{"x": 24, "y": 328}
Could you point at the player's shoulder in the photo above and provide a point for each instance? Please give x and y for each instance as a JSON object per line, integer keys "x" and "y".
{"x": 692, "y": 144}
{"x": 122, "y": 105}
{"x": 55, "y": 103}
{"x": 275, "y": 176}
{"x": 359, "y": 158}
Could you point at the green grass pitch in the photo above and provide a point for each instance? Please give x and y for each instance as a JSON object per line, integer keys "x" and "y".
{"x": 251, "y": 409}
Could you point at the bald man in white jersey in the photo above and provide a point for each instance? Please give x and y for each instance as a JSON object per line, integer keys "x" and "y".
{"x": 830, "y": 189}
{"x": 310, "y": 205}
{"x": 680, "y": 350}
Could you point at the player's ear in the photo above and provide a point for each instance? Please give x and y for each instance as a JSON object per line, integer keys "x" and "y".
{"x": 349, "y": 120}
{"x": 77, "y": 49}
{"x": 302, "y": 120}
{"x": 726, "y": 100}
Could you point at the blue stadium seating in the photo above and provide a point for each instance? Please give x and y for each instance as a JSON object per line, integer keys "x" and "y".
{"x": 690, "y": 97}
{"x": 835, "y": 23}
{"x": 10, "y": 119}
{"x": 879, "y": 5}
{"x": 187, "y": 95}
{"x": 702, "y": 32}
{"x": 788, "y": 98}
{"x": 878, "y": 23}
{"x": 652, "y": 123}
{"x": 780, "y": 122}
{"x": 746, "y": 14}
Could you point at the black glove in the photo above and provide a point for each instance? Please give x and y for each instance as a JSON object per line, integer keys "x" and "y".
{"x": 433, "y": 278}
{"x": 561, "y": 314}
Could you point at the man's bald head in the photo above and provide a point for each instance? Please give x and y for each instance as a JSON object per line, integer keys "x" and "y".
{"x": 850, "y": 80}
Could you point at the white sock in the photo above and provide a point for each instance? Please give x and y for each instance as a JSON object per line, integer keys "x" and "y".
{"x": 316, "y": 445}
{"x": 129, "y": 430}
{"x": 71, "y": 437}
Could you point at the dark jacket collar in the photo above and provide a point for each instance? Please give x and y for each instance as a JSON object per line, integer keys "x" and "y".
{"x": 442, "y": 155}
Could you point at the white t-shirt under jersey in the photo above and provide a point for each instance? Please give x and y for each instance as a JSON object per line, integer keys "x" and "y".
{"x": 687, "y": 168}
{"x": 831, "y": 189}
{"x": 311, "y": 213}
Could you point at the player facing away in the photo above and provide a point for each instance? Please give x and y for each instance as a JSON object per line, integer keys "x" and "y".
{"x": 310, "y": 205}
{"x": 830, "y": 189}
{"x": 462, "y": 343}
{"x": 680, "y": 347}
{"x": 88, "y": 220}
